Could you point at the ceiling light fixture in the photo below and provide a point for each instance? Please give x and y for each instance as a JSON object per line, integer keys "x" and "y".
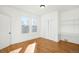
{"x": 42, "y": 6}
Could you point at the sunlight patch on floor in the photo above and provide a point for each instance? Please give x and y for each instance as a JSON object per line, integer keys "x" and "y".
{"x": 30, "y": 48}
{"x": 16, "y": 51}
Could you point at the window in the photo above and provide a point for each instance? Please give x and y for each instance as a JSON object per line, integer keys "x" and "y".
{"x": 34, "y": 24}
{"x": 25, "y": 24}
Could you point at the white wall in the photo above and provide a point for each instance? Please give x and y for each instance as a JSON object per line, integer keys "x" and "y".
{"x": 70, "y": 26}
{"x": 15, "y": 15}
{"x": 49, "y": 26}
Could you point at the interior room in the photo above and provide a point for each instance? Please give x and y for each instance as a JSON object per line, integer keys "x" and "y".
{"x": 39, "y": 28}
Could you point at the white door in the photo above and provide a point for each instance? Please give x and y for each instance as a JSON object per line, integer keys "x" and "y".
{"x": 4, "y": 31}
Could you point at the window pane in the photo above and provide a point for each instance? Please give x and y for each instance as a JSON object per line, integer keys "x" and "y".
{"x": 34, "y": 24}
{"x": 34, "y": 21}
{"x": 34, "y": 28}
{"x": 25, "y": 24}
{"x": 25, "y": 29}
{"x": 24, "y": 20}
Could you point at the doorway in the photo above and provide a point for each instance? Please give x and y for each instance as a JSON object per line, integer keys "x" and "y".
{"x": 5, "y": 31}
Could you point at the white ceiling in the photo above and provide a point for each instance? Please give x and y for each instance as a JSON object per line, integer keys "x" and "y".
{"x": 49, "y": 8}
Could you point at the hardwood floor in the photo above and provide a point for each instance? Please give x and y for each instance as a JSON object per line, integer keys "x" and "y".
{"x": 69, "y": 47}
{"x": 45, "y": 46}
